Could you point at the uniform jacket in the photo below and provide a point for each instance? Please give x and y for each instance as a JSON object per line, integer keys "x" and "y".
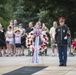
{"x": 61, "y": 35}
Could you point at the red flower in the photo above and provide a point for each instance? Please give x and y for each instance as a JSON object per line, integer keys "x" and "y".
{"x": 28, "y": 40}
{"x": 29, "y": 44}
{"x": 44, "y": 36}
{"x": 31, "y": 33}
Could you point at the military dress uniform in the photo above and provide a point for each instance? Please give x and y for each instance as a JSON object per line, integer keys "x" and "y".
{"x": 61, "y": 39}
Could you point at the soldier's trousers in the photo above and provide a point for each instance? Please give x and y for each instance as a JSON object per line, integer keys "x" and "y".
{"x": 62, "y": 50}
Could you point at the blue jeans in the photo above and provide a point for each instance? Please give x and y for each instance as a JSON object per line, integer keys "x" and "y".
{"x": 62, "y": 50}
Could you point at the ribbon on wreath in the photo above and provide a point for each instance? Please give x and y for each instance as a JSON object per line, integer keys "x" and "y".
{"x": 37, "y": 33}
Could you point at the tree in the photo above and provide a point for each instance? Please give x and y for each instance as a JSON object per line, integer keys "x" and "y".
{"x": 23, "y": 12}
{"x": 33, "y": 10}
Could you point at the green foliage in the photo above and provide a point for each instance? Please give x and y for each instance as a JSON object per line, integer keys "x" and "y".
{"x": 25, "y": 12}
{"x": 4, "y": 23}
{"x": 43, "y": 16}
{"x": 32, "y": 10}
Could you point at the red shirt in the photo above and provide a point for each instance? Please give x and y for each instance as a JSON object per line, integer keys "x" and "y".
{"x": 74, "y": 44}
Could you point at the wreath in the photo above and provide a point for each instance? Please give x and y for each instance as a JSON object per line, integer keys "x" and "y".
{"x": 30, "y": 42}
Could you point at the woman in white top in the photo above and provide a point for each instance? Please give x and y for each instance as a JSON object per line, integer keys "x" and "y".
{"x": 9, "y": 40}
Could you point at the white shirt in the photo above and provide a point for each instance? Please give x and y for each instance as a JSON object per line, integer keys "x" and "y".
{"x": 9, "y": 33}
{"x": 52, "y": 32}
{"x": 18, "y": 38}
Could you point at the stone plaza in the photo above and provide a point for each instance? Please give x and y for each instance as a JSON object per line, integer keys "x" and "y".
{"x": 47, "y": 65}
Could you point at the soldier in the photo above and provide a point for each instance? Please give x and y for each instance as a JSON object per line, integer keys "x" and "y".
{"x": 61, "y": 39}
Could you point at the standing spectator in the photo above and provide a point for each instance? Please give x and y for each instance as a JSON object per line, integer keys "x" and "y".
{"x": 11, "y": 23}
{"x": 22, "y": 30}
{"x": 45, "y": 31}
{"x": 28, "y": 30}
{"x": 9, "y": 41}
{"x": 2, "y": 40}
{"x": 61, "y": 38}
{"x": 15, "y": 26}
{"x": 39, "y": 24}
{"x": 52, "y": 35}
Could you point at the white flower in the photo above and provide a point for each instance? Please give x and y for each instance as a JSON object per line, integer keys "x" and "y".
{"x": 30, "y": 42}
{"x": 31, "y": 48}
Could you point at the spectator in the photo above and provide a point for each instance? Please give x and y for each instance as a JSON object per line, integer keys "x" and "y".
{"x": 9, "y": 41}
{"x": 52, "y": 35}
{"x": 45, "y": 31}
{"x": 11, "y": 23}
{"x": 22, "y": 30}
{"x": 74, "y": 45}
{"x": 2, "y": 40}
{"x": 18, "y": 42}
{"x": 28, "y": 30}
{"x": 15, "y": 26}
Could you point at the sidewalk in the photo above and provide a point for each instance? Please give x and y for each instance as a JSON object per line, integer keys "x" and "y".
{"x": 47, "y": 65}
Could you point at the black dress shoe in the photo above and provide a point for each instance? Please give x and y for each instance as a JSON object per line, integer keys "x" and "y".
{"x": 65, "y": 65}
{"x": 61, "y": 65}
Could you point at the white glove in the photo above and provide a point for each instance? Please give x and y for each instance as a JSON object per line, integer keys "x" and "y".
{"x": 65, "y": 37}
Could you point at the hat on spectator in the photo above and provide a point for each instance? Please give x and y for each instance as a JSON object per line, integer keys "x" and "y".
{"x": 20, "y": 24}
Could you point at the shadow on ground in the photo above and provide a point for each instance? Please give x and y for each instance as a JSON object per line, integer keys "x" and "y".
{"x": 27, "y": 70}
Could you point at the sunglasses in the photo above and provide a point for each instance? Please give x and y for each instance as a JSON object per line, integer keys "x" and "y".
{"x": 61, "y": 21}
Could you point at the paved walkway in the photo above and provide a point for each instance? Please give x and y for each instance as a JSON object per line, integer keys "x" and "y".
{"x": 9, "y": 64}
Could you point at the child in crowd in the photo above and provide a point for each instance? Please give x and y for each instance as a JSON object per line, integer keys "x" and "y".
{"x": 74, "y": 45}
{"x": 18, "y": 42}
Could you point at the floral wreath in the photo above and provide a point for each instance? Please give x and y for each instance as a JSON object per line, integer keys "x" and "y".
{"x": 30, "y": 41}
